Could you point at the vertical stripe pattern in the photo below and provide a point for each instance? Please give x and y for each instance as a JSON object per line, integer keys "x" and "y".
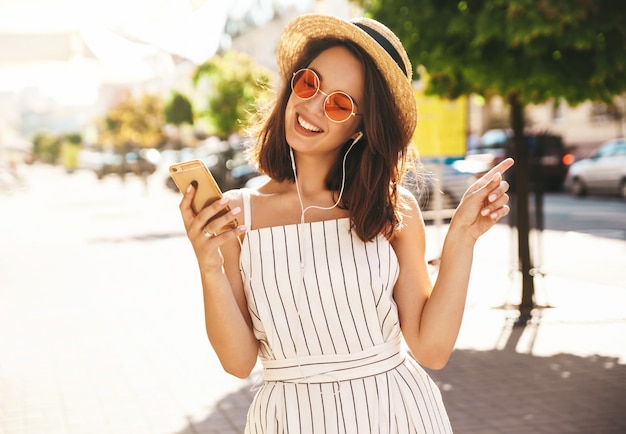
{"x": 316, "y": 289}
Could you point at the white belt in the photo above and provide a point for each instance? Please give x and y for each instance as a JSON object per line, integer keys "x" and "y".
{"x": 336, "y": 367}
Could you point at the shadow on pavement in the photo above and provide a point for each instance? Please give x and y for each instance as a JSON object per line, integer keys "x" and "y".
{"x": 500, "y": 391}
{"x": 507, "y": 392}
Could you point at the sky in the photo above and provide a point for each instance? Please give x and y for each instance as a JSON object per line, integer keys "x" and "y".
{"x": 132, "y": 39}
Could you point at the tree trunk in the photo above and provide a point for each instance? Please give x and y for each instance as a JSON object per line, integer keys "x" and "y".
{"x": 521, "y": 192}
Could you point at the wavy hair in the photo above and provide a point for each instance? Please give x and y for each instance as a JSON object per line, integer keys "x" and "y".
{"x": 375, "y": 166}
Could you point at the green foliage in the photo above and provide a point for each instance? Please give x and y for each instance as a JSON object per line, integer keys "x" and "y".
{"x": 46, "y": 147}
{"x": 74, "y": 138}
{"x": 178, "y": 110}
{"x": 537, "y": 49}
{"x": 236, "y": 84}
{"x": 134, "y": 122}
{"x": 49, "y": 148}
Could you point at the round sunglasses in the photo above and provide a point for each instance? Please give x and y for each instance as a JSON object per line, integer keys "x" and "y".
{"x": 338, "y": 106}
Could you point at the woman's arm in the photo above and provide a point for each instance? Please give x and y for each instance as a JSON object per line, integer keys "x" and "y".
{"x": 228, "y": 323}
{"x": 430, "y": 316}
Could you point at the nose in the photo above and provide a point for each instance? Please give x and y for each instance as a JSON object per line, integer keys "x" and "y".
{"x": 316, "y": 103}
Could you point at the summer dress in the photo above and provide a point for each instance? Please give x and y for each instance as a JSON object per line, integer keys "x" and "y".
{"x": 322, "y": 307}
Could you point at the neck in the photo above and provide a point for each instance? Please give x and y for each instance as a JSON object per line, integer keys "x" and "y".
{"x": 311, "y": 173}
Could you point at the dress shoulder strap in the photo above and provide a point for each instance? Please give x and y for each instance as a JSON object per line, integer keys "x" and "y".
{"x": 247, "y": 212}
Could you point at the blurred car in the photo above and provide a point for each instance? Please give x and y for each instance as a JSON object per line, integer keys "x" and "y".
{"x": 604, "y": 172}
{"x": 104, "y": 163}
{"x": 548, "y": 157}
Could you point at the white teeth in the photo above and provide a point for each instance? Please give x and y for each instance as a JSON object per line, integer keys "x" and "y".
{"x": 304, "y": 124}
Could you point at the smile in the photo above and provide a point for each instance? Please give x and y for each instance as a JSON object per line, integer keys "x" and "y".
{"x": 307, "y": 126}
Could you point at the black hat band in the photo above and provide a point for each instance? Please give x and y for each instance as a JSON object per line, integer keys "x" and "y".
{"x": 385, "y": 44}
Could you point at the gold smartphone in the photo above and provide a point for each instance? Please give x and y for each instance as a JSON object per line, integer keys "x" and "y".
{"x": 207, "y": 190}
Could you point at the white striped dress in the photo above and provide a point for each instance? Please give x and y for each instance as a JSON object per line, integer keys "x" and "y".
{"x": 322, "y": 308}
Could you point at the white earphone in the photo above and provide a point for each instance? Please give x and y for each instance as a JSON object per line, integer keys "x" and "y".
{"x": 343, "y": 179}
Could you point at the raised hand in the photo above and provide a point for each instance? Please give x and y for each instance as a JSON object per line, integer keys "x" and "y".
{"x": 485, "y": 202}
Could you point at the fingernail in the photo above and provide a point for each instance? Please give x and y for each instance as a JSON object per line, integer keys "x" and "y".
{"x": 484, "y": 212}
{"x": 189, "y": 187}
{"x": 494, "y": 215}
{"x": 493, "y": 197}
{"x": 242, "y": 228}
{"x": 223, "y": 201}
{"x": 235, "y": 210}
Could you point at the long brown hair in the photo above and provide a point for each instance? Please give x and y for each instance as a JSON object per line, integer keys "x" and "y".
{"x": 375, "y": 165}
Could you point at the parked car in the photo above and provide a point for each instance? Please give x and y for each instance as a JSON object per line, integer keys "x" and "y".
{"x": 604, "y": 172}
{"x": 549, "y": 159}
{"x": 104, "y": 163}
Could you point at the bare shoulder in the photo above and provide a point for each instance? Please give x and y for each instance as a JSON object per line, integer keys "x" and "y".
{"x": 236, "y": 196}
{"x": 408, "y": 202}
{"x": 412, "y": 220}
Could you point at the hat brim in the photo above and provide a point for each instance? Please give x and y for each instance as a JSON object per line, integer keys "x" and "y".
{"x": 313, "y": 26}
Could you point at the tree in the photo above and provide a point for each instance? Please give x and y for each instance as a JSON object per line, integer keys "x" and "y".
{"x": 528, "y": 51}
{"x": 178, "y": 110}
{"x": 235, "y": 85}
{"x": 136, "y": 122}
{"x": 178, "y": 114}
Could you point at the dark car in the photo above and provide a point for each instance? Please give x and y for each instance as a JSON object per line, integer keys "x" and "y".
{"x": 549, "y": 159}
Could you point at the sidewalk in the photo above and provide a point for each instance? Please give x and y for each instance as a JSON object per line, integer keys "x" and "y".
{"x": 565, "y": 371}
{"x": 101, "y": 325}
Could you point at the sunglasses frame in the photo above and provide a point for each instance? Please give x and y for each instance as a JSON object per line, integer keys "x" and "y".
{"x": 326, "y": 95}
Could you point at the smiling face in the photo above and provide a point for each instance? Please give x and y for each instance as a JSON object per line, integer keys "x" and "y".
{"x": 307, "y": 128}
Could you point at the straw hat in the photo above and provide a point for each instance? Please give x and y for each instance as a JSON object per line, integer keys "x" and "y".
{"x": 375, "y": 38}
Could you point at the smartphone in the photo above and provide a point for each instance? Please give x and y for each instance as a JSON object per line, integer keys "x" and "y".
{"x": 207, "y": 191}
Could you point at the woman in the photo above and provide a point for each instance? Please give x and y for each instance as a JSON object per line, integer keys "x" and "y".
{"x": 327, "y": 275}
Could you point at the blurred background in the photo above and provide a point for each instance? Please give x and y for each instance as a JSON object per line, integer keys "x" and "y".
{"x": 123, "y": 87}
{"x": 131, "y": 86}
{"x": 101, "y": 321}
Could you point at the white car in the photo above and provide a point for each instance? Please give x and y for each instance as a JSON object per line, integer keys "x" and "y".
{"x": 604, "y": 172}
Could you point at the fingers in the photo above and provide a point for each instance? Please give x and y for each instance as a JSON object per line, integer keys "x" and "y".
{"x": 495, "y": 209}
{"x": 493, "y": 176}
{"x": 185, "y": 204}
{"x": 501, "y": 167}
{"x": 224, "y": 220}
{"x": 211, "y": 220}
{"x": 497, "y": 198}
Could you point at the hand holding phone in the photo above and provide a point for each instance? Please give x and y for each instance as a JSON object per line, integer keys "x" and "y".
{"x": 207, "y": 190}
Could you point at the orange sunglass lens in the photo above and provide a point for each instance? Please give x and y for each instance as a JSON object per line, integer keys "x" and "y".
{"x": 305, "y": 84}
{"x": 338, "y": 106}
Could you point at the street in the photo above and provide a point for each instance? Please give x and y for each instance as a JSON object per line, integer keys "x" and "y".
{"x": 102, "y": 328}
{"x": 594, "y": 215}
{"x": 97, "y": 281}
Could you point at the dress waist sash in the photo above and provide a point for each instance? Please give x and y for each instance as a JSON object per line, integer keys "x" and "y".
{"x": 336, "y": 367}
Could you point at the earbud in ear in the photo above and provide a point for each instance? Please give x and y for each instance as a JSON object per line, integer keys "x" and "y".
{"x": 358, "y": 137}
